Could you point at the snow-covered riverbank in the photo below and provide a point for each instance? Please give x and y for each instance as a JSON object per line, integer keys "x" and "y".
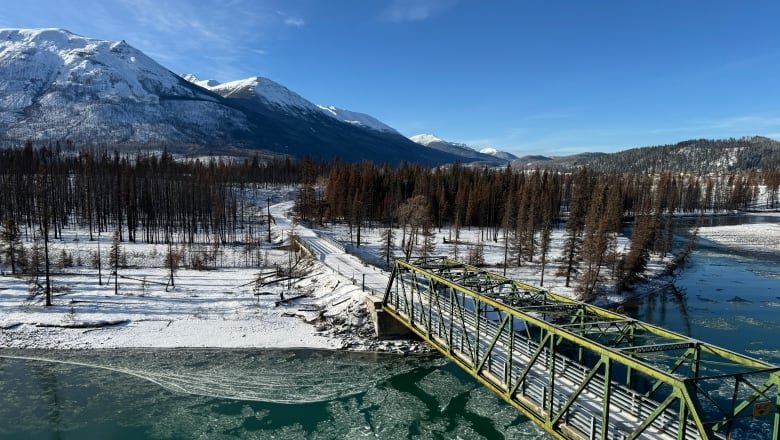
{"x": 207, "y": 308}
{"x": 224, "y": 308}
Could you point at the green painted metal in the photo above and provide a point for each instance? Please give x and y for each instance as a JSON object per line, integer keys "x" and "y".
{"x": 577, "y": 370}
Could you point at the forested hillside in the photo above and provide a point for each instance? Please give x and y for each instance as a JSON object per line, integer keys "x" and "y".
{"x": 700, "y": 156}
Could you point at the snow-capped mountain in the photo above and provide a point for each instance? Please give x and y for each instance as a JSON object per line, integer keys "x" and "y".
{"x": 56, "y": 85}
{"x": 463, "y": 151}
{"x": 355, "y": 118}
{"x": 490, "y": 151}
{"x": 270, "y": 92}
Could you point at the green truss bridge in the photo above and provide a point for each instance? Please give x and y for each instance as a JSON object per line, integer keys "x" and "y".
{"x": 580, "y": 371}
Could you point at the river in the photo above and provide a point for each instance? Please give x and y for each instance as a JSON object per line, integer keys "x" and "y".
{"x": 307, "y": 394}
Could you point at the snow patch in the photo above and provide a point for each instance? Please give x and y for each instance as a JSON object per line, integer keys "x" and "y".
{"x": 355, "y": 118}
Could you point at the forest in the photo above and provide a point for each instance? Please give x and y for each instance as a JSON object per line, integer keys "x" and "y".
{"x": 521, "y": 208}
{"x": 156, "y": 198}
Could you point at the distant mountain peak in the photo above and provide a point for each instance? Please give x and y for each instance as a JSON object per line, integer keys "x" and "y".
{"x": 425, "y": 139}
{"x": 266, "y": 90}
{"x": 48, "y": 34}
{"x": 356, "y": 118}
{"x": 205, "y": 83}
{"x": 466, "y": 153}
{"x": 490, "y": 151}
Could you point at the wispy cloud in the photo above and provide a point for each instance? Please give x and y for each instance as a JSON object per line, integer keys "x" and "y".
{"x": 401, "y": 11}
{"x": 294, "y": 21}
{"x": 219, "y": 39}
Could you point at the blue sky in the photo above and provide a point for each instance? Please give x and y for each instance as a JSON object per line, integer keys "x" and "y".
{"x": 550, "y": 77}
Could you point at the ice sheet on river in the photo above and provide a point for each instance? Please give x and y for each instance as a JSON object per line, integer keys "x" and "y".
{"x": 363, "y": 396}
{"x": 280, "y": 376}
{"x": 762, "y": 237}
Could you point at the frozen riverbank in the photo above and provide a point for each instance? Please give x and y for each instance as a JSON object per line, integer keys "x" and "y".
{"x": 221, "y": 308}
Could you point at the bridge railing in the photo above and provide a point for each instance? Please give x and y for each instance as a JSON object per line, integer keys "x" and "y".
{"x": 577, "y": 370}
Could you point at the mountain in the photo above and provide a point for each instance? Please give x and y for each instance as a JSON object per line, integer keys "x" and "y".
{"x": 462, "y": 151}
{"x": 503, "y": 155}
{"x": 57, "y": 86}
{"x": 698, "y": 156}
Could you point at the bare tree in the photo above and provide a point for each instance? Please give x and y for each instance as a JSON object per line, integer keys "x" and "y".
{"x": 415, "y": 212}
{"x": 386, "y": 251}
{"x": 11, "y": 242}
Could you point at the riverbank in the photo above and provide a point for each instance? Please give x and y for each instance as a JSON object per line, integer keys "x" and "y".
{"x": 250, "y": 302}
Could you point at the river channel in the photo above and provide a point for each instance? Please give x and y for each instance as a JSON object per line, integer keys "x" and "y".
{"x": 308, "y": 394}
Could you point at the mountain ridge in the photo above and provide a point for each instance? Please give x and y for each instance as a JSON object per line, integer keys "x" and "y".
{"x": 701, "y": 156}
{"x": 466, "y": 153}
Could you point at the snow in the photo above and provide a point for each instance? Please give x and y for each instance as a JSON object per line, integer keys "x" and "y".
{"x": 267, "y": 91}
{"x": 490, "y": 151}
{"x": 217, "y": 308}
{"x": 356, "y": 118}
{"x": 425, "y": 139}
{"x": 205, "y": 83}
{"x": 754, "y": 237}
{"x": 275, "y": 94}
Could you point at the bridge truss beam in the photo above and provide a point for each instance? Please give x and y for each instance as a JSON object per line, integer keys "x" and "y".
{"x": 580, "y": 371}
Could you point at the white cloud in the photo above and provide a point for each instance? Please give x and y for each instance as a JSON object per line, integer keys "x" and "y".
{"x": 400, "y": 11}
{"x": 294, "y": 21}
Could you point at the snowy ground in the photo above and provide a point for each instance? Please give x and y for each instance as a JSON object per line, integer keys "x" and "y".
{"x": 529, "y": 272}
{"x": 209, "y": 308}
{"x": 223, "y": 308}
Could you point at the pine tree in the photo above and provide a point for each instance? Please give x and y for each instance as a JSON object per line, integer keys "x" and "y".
{"x": 429, "y": 242}
{"x": 114, "y": 257}
{"x": 476, "y": 255}
{"x": 574, "y": 225}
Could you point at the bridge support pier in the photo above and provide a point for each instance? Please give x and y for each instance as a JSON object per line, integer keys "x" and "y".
{"x": 385, "y": 326}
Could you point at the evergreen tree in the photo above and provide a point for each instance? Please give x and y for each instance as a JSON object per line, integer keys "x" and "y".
{"x": 114, "y": 258}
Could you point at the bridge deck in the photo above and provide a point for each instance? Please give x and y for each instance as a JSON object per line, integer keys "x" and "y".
{"x": 578, "y": 371}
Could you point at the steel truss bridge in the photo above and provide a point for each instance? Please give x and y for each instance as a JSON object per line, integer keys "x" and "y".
{"x": 580, "y": 371}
